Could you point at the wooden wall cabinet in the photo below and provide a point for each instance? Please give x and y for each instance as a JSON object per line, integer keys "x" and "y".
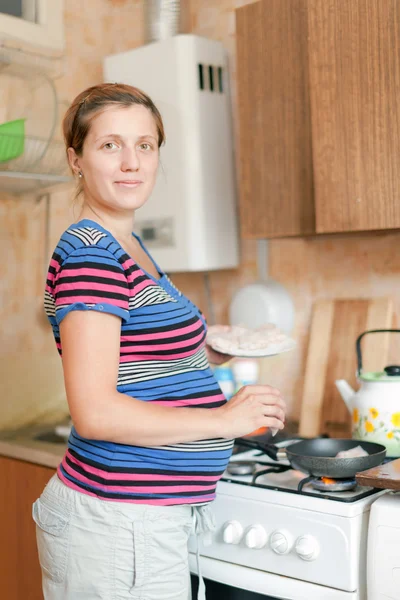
{"x": 276, "y": 170}
{"x": 21, "y": 484}
{"x": 318, "y": 88}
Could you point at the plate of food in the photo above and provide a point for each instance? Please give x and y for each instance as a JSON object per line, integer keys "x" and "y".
{"x": 243, "y": 342}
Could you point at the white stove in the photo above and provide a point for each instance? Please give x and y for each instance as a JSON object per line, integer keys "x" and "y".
{"x": 283, "y": 543}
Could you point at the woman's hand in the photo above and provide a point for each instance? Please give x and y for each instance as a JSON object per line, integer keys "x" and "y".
{"x": 253, "y": 406}
{"x": 216, "y": 358}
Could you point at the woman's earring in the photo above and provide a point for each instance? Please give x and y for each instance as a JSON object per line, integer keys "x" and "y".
{"x": 80, "y": 174}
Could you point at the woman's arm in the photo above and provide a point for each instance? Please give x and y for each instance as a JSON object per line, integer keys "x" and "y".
{"x": 90, "y": 351}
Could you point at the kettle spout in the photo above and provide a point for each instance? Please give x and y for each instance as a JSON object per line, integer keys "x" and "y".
{"x": 346, "y": 391}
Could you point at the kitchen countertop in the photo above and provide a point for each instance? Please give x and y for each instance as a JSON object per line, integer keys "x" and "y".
{"x": 22, "y": 445}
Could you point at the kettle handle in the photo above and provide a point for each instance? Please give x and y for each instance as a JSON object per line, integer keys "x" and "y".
{"x": 358, "y": 344}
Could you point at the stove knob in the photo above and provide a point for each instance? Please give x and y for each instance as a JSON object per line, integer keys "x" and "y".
{"x": 281, "y": 542}
{"x": 256, "y": 537}
{"x": 307, "y": 547}
{"x": 232, "y": 532}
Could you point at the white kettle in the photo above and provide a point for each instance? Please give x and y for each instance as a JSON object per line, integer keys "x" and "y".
{"x": 375, "y": 406}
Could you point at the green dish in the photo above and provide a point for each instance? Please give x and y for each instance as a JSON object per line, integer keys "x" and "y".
{"x": 12, "y": 139}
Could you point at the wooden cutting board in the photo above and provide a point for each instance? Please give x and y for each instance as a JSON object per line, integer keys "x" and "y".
{"x": 385, "y": 476}
{"x": 331, "y": 355}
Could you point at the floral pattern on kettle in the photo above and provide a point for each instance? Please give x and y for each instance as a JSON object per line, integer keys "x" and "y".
{"x": 369, "y": 423}
{"x": 396, "y": 419}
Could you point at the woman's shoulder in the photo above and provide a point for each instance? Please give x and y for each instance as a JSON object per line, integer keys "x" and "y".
{"x": 85, "y": 239}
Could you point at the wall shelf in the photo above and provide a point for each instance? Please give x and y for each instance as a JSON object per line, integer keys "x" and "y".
{"x": 26, "y": 63}
{"x": 17, "y": 183}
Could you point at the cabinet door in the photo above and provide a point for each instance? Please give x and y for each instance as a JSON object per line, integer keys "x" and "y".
{"x": 354, "y": 51}
{"x": 21, "y": 484}
{"x": 275, "y": 157}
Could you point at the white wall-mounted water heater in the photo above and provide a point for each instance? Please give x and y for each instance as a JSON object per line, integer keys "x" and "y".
{"x": 190, "y": 221}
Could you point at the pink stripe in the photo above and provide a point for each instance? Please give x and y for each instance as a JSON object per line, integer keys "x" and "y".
{"x": 154, "y": 489}
{"x": 55, "y": 264}
{"x": 162, "y": 334}
{"x": 162, "y": 489}
{"x": 135, "y": 274}
{"x": 92, "y": 300}
{"x": 152, "y": 501}
{"x": 132, "y": 357}
{"x": 143, "y": 285}
{"x": 166, "y": 501}
{"x": 139, "y": 476}
{"x": 92, "y": 272}
{"x": 159, "y": 502}
{"x": 127, "y": 264}
{"x": 84, "y": 285}
{"x": 169, "y": 346}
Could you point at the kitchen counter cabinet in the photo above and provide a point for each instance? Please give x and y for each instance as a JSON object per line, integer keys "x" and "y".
{"x": 21, "y": 484}
{"x": 319, "y": 138}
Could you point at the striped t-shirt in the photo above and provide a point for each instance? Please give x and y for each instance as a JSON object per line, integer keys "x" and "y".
{"x": 162, "y": 361}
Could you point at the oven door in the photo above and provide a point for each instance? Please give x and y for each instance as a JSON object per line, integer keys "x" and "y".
{"x": 221, "y": 591}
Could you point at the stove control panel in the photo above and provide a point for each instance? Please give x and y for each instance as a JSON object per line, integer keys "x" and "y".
{"x": 281, "y": 542}
{"x": 255, "y": 537}
{"x": 298, "y": 541}
{"x": 307, "y": 547}
{"x": 232, "y": 532}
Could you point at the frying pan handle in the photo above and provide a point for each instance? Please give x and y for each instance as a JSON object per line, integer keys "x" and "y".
{"x": 358, "y": 344}
{"x": 269, "y": 449}
{"x": 274, "y": 452}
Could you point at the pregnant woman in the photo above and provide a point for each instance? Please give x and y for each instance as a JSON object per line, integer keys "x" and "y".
{"x": 152, "y": 432}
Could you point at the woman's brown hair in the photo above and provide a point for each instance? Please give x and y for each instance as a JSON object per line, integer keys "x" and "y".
{"x": 90, "y": 102}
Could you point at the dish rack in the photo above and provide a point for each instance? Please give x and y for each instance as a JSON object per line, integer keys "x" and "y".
{"x": 43, "y": 161}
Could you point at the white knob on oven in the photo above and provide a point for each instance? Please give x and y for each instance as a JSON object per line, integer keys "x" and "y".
{"x": 307, "y": 547}
{"x": 256, "y": 537}
{"x": 232, "y": 532}
{"x": 281, "y": 542}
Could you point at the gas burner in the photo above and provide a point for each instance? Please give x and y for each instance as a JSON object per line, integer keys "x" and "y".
{"x": 243, "y": 467}
{"x": 249, "y": 467}
{"x": 271, "y": 469}
{"x": 326, "y": 484}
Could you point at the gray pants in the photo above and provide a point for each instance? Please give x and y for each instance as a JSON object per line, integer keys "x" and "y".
{"x": 95, "y": 549}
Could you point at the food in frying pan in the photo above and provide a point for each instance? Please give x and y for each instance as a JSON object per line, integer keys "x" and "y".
{"x": 352, "y": 453}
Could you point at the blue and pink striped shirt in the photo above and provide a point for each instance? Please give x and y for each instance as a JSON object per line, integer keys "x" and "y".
{"x": 162, "y": 361}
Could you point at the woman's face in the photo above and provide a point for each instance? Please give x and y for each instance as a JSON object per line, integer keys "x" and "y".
{"x": 119, "y": 161}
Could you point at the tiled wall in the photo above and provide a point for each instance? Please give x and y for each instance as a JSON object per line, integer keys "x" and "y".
{"x": 31, "y": 386}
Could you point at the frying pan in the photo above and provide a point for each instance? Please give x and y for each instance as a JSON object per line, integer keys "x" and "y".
{"x": 317, "y": 457}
